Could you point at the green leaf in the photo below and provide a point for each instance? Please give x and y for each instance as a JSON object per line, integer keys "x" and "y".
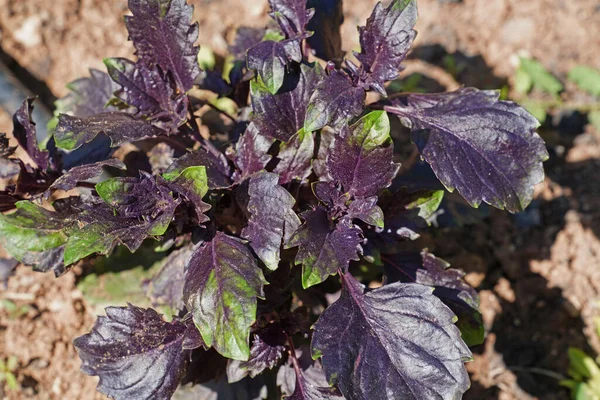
{"x": 523, "y": 81}
{"x": 372, "y": 130}
{"x": 90, "y": 239}
{"x": 273, "y": 35}
{"x": 541, "y": 78}
{"x": 583, "y": 392}
{"x": 537, "y": 110}
{"x": 594, "y": 119}
{"x": 196, "y": 176}
{"x": 11, "y": 382}
{"x": 11, "y": 363}
{"x": 30, "y": 231}
{"x": 222, "y": 284}
{"x": 426, "y": 201}
{"x": 112, "y": 189}
{"x": 582, "y": 364}
{"x": 206, "y": 58}
{"x": 587, "y": 78}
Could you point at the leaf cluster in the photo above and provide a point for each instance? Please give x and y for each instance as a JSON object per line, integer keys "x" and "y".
{"x": 267, "y": 227}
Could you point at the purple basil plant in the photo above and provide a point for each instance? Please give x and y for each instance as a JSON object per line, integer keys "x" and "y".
{"x": 268, "y": 233}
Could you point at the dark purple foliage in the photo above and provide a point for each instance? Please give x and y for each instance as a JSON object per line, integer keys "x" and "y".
{"x": 136, "y": 354}
{"x": 486, "y": 148}
{"x": 72, "y": 132}
{"x": 324, "y": 248}
{"x": 294, "y": 158}
{"x": 311, "y": 370}
{"x": 334, "y": 102}
{"x": 88, "y": 96}
{"x": 271, "y": 220}
{"x": 292, "y": 16}
{"x": 270, "y": 58}
{"x": 266, "y": 352}
{"x": 306, "y": 391}
{"x": 215, "y": 198}
{"x": 222, "y": 284}
{"x": 385, "y": 41}
{"x": 25, "y": 133}
{"x": 166, "y": 288}
{"x": 84, "y": 173}
{"x": 163, "y": 34}
{"x": 282, "y": 115}
{"x": 367, "y": 357}
{"x": 361, "y": 157}
{"x": 251, "y": 152}
{"x": 217, "y": 168}
{"x": 245, "y": 38}
{"x": 426, "y": 269}
{"x": 148, "y": 90}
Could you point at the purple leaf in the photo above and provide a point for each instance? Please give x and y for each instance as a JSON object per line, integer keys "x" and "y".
{"x": 149, "y": 90}
{"x": 336, "y": 100}
{"x": 251, "y": 153}
{"x": 223, "y": 282}
{"x": 484, "y": 147}
{"x": 306, "y": 391}
{"x": 385, "y": 41}
{"x": 35, "y": 236}
{"x": 25, "y": 133}
{"x": 281, "y": 116}
{"x": 398, "y": 341}
{"x": 367, "y": 210}
{"x": 217, "y": 168}
{"x": 72, "y": 132}
{"x": 272, "y": 220}
{"x": 362, "y": 156}
{"x": 162, "y": 34}
{"x": 191, "y": 185}
{"x": 324, "y": 247}
{"x": 292, "y": 16}
{"x": 426, "y": 269}
{"x": 319, "y": 164}
{"x": 270, "y": 58}
{"x": 326, "y": 41}
{"x": 88, "y": 96}
{"x": 7, "y": 269}
{"x": 133, "y": 209}
{"x": 340, "y": 205}
{"x": 166, "y": 287}
{"x": 245, "y": 38}
{"x": 295, "y": 157}
{"x": 136, "y": 354}
{"x": 266, "y": 352}
{"x": 83, "y": 173}
{"x": 145, "y": 196}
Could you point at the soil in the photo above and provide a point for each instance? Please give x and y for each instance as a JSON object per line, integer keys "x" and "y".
{"x": 538, "y": 273}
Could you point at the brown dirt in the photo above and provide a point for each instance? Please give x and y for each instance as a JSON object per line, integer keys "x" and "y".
{"x": 40, "y": 335}
{"x": 539, "y": 286}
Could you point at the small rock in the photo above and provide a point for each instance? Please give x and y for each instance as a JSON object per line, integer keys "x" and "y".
{"x": 29, "y": 32}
